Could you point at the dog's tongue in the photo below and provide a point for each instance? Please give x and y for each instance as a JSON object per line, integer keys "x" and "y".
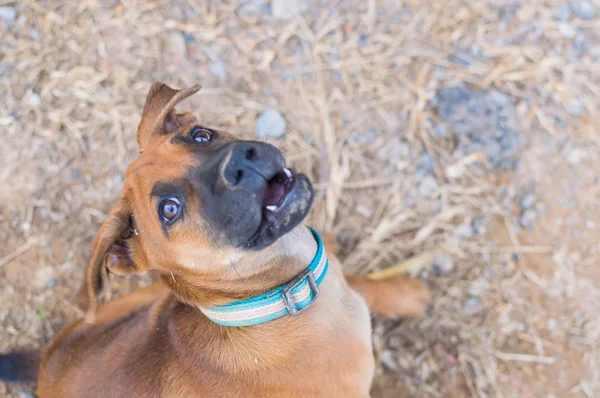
{"x": 273, "y": 194}
{"x": 277, "y": 188}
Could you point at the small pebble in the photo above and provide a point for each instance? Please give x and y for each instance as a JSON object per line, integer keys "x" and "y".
{"x": 24, "y": 394}
{"x": 459, "y": 60}
{"x": 464, "y": 230}
{"x": 441, "y": 130}
{"x": 270, "y": 124}
{"x": 51, "y": 282}
{"x": 527, "y": 219}
{"x": 589, "y": 224}
{"x": 567, "y": 30}
{"x": 444, "y": 264}
{"x": 219, "y": 69}
{"x": 388, "y": 360}
{"x": 364, "y": 138}
{"x": 34, "y": 33}
{"x": 584, "y": 9}
{"x": 480, "y": 226}
{"x": 562, "y": 13}
{"x": 528, "y": 201}
{"x": 575, "y": 108}
{"x": 428, "y": 185}
{"x": 34, "y": 100}
{"x": 286, "y": 9}
{"x": 362, "y": 40}
{"x": 8, "y": 14}
{"x": 471, "y": 303}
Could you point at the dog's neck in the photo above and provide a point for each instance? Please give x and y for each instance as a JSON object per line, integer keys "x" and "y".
{"x": 259, "y": 272}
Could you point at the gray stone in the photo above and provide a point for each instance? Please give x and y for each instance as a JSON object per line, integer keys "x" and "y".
{"x": 481, "y": 121}
{"x": 562, "y": 13}
{"x": 219, "y": 69}
{"x": 8, "y": 14}
{"x": 286, "y": 9}
{"x": 584, "y": 9}
{"x": 528, "y": 201}
{"x": 589, "y": 224}
{"x": 428, "y": 185}
{"x": 527, "y": 219}
{"x": 24, "y": 394}
{"x": 364, "y": 138}
{"x": 464, "y": 230}
{"x": 34, "y": 100}
{"x": 575, "y": 108}
{"x": 443, "y": 263}
{"x": 567, "y": 30}
{"x": 471, "y": 303}
{"x": 270, "y": 124}
{"x": 480, "y": 226}
{"x": 388, "y": 360}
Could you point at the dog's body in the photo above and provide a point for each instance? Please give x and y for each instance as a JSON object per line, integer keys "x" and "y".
{"x": 150, "y": 344}
{"x": 157, "y": 341}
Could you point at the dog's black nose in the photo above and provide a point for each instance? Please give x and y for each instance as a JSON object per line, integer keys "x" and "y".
{"x": 248, "y": 164}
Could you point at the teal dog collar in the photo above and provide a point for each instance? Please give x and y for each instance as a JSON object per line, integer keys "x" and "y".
{"x": 292, "y": 298}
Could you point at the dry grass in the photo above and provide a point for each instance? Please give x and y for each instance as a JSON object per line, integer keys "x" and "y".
{"x": 354, "y": 80}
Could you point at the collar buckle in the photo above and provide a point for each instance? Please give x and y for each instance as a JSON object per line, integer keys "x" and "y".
{"x": 288, "y": 297}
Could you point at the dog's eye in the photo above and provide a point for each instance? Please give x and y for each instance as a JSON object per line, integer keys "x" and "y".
{"x": 201, "y": 135}
{"x": 169, "y": 209}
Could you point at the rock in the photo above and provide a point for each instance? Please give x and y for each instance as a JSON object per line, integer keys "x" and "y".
{"x": 24, "y": 394}
{"x": 481, "y": 121}
{"x": 177, "y": 45}
{"x": 471, "y": 303}
{"x": 460, "y": 60}
{"x": 584, "y": 9}
{"x": 270, "y": 124}
{"x": 424, "y": 165}
{"x": 364, "y": 138}
{"x": 589, "y": 224}
{"x": 286, "y": 9}
{"x": 464, "y": 230}
{"x": 567, "y": 30}
{"x": 575, "y": 108}
{"x": 34, "y": 100}
{"x": 443, "y": 263}
{"x": 562, "y": 13}
{"x": 527, "y": 219}
{"x": 34, "y": 33}
{"x": 428, "y": 185}
{"x": 388, "y": 360}
{"x": 8, "y": 14}
{"x": 51, "y": 282}
{"x": 219, "y": 69}
{"x": 255, "y": 7}
{"x": 528, "y": 201}
{"x": 479, "y": 226}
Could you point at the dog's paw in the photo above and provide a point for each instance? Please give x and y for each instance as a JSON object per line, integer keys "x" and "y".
{"x": 394, "y": 297}
{"x": 402, "y": 296}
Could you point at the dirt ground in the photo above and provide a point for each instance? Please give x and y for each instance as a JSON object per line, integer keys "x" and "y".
{"x": 504, "y": 200}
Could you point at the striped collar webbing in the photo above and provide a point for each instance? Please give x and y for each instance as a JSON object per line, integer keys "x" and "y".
{"x": 292, "y": 298}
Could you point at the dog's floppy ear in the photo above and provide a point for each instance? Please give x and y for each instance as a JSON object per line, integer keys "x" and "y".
{"x": 159, "y": 115}
{"x": 109, "y": 253}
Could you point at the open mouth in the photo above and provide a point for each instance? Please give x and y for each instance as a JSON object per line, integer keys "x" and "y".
{"x": 277, "y": 191}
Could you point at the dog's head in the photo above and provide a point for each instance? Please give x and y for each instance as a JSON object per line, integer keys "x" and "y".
{"x": 196, "y": 198}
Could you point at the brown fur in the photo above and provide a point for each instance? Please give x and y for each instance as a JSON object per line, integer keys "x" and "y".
{"x": 155, "y": 341}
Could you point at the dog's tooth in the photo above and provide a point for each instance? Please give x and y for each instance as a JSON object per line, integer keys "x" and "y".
{"x": 287, "y": 172}
{"x": 271, "y": 207}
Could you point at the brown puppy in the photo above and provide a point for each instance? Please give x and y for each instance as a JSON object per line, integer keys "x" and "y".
{"x": 219, "y": 220}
